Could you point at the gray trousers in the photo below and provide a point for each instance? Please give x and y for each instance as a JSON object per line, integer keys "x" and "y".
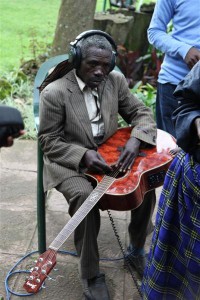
{"x": 76, "y": 189}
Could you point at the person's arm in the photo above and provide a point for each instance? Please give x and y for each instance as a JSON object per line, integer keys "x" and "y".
{"x": 51, "y": 132}
{"x": 186, "y": 116}
{"x": 9, "y": 141}
{"x": 157, "y": 31}
{"x": 197, "y": 127}
{"x": 140, "y": 117}
{"x": 136, "y": 114}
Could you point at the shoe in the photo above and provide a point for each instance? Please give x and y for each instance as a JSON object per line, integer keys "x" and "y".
{"x": 95, "y": 288}
{"x": 136, "y": 260}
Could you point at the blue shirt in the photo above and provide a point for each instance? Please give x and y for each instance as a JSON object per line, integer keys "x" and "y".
{"x": 185, "y": 16}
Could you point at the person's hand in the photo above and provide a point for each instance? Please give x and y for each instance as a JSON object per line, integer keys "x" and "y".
{"x": 128, "y": 155}
{"x": 95, "y": 162}
{"x": 197, "y": 125}
{"x": 192, "y": 57}
{"x": 10, "y": 139}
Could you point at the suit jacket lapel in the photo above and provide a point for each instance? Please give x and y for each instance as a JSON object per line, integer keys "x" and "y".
{"x": 78, "y": 104}
{"x": 105, "y": 96}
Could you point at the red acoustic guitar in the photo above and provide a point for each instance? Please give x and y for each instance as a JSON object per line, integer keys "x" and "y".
{"x": 117, "y": 191}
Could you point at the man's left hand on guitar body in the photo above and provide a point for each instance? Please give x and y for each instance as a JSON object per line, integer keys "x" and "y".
{"x": 128, "y": 154}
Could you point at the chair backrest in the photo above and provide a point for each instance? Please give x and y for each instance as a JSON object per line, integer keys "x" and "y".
{"x": 40, "y": 76}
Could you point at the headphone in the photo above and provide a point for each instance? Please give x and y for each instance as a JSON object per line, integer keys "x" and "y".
{"x": 75, "y": 51}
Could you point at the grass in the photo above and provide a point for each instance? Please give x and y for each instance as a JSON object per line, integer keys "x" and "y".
{"x": 19, "y": 19}
{"x": 23, "y": 22}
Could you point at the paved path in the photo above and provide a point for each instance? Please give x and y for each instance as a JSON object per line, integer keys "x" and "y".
{"x": 18, "y": 175}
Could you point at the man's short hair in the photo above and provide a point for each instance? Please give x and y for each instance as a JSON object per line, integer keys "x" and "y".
{"x": 95, "y": 40}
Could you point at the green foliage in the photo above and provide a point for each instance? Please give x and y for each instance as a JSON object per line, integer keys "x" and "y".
{"x": 146, "y": 93}
{"x": 5, "y": 88}
{"x": 19, "y": 95}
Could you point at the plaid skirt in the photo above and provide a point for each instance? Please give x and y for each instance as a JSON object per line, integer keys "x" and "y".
{"x": 173, "y": 268}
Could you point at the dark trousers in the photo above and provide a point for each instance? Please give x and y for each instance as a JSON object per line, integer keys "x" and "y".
{"x": 166, "y": 103}
{"x": 76, "y": 189}
{"x": 141, "y": 224}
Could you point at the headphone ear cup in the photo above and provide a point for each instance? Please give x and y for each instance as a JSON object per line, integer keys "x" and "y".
{"x": 113, "y": 61}
{"x": 78, "y": 57}
{"x": 72, "y": 54}
{"x": 75, "y": 56}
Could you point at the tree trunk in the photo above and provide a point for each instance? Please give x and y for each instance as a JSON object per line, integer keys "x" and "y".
{"x": 74, "y": 17}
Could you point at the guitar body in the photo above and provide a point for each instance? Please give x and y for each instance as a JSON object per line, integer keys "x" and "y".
{"x": 147, "y": 173}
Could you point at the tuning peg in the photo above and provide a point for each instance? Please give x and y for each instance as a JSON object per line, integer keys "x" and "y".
{"x": 40, "y": 259}
{"x": 50, "y": 278}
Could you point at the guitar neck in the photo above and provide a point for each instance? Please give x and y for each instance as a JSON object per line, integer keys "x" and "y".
{"x": 82, "y": 212}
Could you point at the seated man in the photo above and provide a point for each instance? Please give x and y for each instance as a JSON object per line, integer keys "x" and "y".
{"x": 78, "y": 112}
{"x": 173, "y": 269}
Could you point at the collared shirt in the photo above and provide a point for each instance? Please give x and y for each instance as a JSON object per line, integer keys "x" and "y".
{"x": 93, "y": 107}
{"x": 185, "y": 16}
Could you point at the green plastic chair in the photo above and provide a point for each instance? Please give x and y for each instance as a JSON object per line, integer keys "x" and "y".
{"x": 41, "y": 215}
{"x": 41, "y": 196}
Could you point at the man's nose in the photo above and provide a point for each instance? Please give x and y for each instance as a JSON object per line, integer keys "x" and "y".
{"x": 99, "y": 71}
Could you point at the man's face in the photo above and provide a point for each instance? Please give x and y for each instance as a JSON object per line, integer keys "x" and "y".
{"x": 95, "y": 66}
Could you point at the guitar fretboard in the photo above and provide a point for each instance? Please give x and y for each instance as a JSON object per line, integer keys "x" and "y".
{"x": 82, "y": 212}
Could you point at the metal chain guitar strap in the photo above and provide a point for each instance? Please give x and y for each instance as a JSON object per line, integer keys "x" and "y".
{"x": 126, "y": 258}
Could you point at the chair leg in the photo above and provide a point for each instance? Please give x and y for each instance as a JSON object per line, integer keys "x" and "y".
{"x": 41, "y": 215}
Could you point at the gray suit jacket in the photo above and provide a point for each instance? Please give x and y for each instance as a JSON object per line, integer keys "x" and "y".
{"x": 65, "y": 132}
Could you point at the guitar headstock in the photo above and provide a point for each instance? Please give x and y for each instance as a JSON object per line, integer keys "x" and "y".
{"x": 43, "y": 267}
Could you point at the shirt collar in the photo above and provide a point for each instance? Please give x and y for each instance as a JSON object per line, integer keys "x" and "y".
{"x": 82, "y": 85}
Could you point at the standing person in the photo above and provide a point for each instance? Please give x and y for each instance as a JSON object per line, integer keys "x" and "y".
{"x": 181, "y": 48}
{"x": 173, "y": 269}
{"x": 78, "y": 112}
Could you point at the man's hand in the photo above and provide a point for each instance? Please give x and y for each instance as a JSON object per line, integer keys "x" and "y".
{"x": 95, "y": 162}
{"x": 10, "y": 139}
{"x": 197, "y": 125}
{"x": 128, "y": 155}
{"x": 192, "y": 57}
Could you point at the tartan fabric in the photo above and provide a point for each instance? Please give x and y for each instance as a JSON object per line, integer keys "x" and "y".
{"x": 173, "y": 268}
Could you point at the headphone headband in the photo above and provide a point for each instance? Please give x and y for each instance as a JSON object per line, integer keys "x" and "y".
{"x": 87, "y": 33}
